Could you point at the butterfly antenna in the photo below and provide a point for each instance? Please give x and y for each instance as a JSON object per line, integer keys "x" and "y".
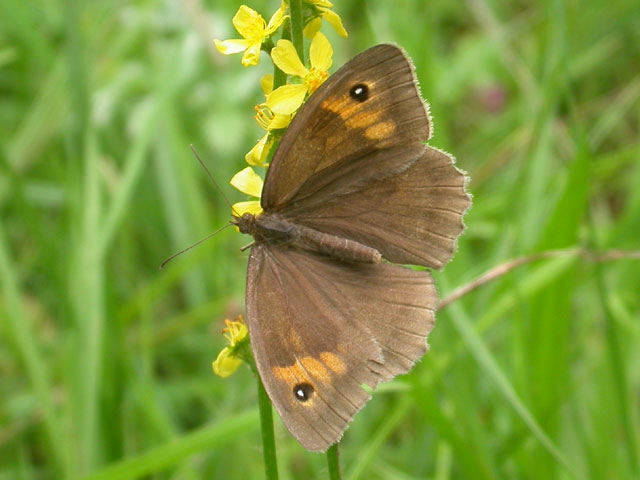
{"x": 193, "y": 149}
{"x": 194, "y": 245}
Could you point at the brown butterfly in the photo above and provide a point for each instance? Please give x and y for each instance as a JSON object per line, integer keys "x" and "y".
{"x": 352, "y": 188}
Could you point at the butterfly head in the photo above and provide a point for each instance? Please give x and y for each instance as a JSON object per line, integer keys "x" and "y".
{"x": 246, "y": 223}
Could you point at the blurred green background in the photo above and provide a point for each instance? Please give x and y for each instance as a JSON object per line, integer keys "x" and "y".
{"x": 105, "y": 361}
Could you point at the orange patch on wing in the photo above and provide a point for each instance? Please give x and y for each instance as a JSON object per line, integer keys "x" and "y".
{"x": 315, "y": 367}
{"x": 363, "y": 120}
{"x": 334, "y": 362}
{"x": 380, "y": 130}
{"x": 348, "y": 112}
{"x": 308, "y": 368}
{"x": 303, "y": 370}
{"x": 335, "y": 105}
{"x": 292, "y": 374}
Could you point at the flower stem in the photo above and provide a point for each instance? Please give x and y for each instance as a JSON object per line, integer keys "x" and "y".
{"x": 268, "y": 439}
{"x": 297, "y": 27}
{"x": 333, "y": 460}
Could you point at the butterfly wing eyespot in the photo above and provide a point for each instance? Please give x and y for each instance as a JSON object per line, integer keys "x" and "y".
{"x": 359, "y": 92}
{"x": 303, "y": 392}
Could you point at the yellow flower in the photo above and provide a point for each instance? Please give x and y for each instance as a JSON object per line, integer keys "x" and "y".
{"x": 225, "y": 364}
{"x": 249, "y": 182}
{"x": 268, "y": 121}
{"x": 254, "y": 30}
{"x": 266, "y": 83}
{"x": 265, "y": 117}
{"x": 259, "y": 153}
{"x": 323, "y": 7}
{"x": 236, "y": 331}
{"x": 230, "y": 358}
{"x": 288, "y": 98}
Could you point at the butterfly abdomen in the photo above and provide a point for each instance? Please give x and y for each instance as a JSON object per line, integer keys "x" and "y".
{"x": 271, "y": 228}
{"x": 337, "y": 247}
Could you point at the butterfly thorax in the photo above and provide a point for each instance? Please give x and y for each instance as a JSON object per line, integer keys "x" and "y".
{"x": 274, "y": 229}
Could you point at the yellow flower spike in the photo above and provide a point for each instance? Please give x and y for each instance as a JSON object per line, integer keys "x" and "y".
{"x": 254, "y": 30}
{"x": 248, "y": 181}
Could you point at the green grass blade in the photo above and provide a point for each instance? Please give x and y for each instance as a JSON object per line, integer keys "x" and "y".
{"x": 488, "y": 363}
{"x": 15, "y": 324}
{"x": 176, "y": 451}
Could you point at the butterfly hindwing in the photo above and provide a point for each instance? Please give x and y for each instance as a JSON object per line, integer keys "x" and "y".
{"x": 407, "y": 202}
{"x": 328, "y": 327}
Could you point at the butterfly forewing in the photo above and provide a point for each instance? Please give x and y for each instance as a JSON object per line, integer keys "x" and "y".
{"x": 321, "y": 328}
{"x": 371, "y": 103}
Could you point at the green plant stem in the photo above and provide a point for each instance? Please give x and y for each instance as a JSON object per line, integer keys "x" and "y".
{"x": 279, "y": 77}
{"x": 333, "y": 461}
{"x": 268, "y": 439}
{"x": 297, "y": 27}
